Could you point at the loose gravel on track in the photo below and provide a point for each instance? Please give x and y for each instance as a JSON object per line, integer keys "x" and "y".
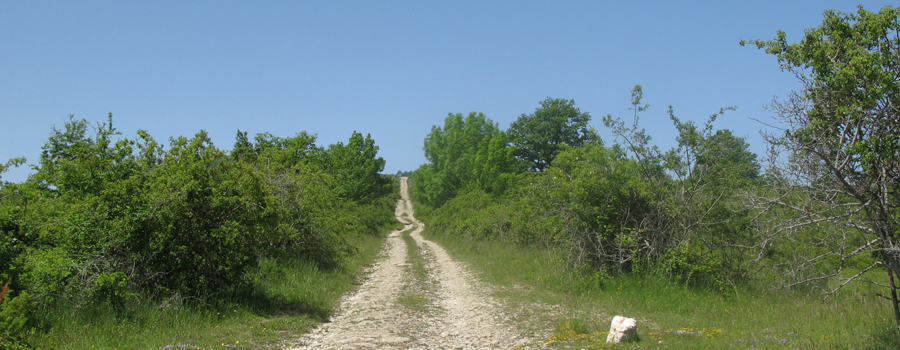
{"x": 457, "y": 311}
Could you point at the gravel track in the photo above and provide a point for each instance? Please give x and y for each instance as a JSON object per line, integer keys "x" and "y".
{"x": 458, "y": 312}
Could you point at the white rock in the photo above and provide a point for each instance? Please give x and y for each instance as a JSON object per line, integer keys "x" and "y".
{"x": 622, "y": 329}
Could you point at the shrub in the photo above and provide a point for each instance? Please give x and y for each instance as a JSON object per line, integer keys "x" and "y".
{"x": 13, "y": 318}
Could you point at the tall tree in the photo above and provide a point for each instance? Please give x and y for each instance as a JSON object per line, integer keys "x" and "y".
{"x": 355, "y": 168}
{"x": 470, "y": 151}
{"x": 844, "y": 147}
{"x": 539, "y": 137}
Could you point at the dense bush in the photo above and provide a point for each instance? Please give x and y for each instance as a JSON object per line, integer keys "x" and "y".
{"x": 107, "y": 221}
{"x": 467, "y": 153}
{"x": 14, "y": 312}
{"x": 625, "y": 208}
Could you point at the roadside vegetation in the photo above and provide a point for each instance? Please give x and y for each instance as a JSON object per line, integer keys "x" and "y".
{"x": 573, "y": 310}
{"x": 123, "y": 243}
{"x": 801, "y": 243}
{"x": 117, "y": 242}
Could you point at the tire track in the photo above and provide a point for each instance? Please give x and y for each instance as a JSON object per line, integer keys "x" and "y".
{"x": 461, "y": 314}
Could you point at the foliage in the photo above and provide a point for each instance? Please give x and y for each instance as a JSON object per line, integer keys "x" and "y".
{"x": 13, "y": 240}
{"x": 137, "y": 225}
{"x": 477, "y": 215}
{"x": 601, "y": 204}
{"x": 108, "y": 222}
{"x": 627, "y": 208}
{"x": 466, "y": 152}
{"x": 836, "y": 182}
{"x": 14, "y": 313}
{"x": 283, "y": 299}
{"x": 696, "y": 187}
{"x": 298, "y": 150}
{"x": 540, "y": 136}
{"x": 711, "y": 171}
{"x": 355, "y": 168}
{"x": 73, "y": 163}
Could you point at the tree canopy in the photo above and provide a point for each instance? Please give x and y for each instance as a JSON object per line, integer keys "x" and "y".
{"x": 107, "y": 219}
{"x": 538, "y": 137}
{"x": 843, "y": 146}
{"x": 355, "y": 167}
{"x": 470, "y": 151}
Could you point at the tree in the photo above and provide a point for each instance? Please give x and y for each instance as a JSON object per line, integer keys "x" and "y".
{"x": 73, "y": 162}
{"x": 540, "y": 136}
{"x": 243, "y": 148}
{"x": 355, "y": 168}
{"x": 710, "y": 169}
{"x": 470, "y": 151}
{"x": 288, "y": 151}
{"x": 692, "y": 225}
{"x": 839, "y": 185}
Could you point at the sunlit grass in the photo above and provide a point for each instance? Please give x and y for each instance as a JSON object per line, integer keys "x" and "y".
{"x": 285, "y": 299}
{"x": 416, "y": 292}
{"x": 572, "y": 310}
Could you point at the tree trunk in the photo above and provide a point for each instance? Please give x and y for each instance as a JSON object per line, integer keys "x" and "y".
{"x": 891, "y": 273}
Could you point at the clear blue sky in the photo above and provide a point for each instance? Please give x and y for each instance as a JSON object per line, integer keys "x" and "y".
{"x": 391, "y": 69}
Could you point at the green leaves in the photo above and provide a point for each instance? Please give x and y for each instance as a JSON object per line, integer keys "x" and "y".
{"x": 355, "y": 168}
{"x": 466, "y": 152}
{"x": 15, "y": 162}
{"x": 851, "y": 69}
{"x": 624, "y": 208}
{"x": 105, "y": 218}
{"x": 540, "y": 136}
{"x": 831, "y": 200}
{"x": 14, "y": 314}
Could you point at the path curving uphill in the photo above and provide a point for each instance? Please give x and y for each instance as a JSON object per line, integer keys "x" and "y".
{"x": 455, "y": 310}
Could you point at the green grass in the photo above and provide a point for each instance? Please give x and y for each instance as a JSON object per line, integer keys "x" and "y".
{"x": 572, "y": 310}
{"x": 416, "y": 292}
{"x": 286, "y": 299}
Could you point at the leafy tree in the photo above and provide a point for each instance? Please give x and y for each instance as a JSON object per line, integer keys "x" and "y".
{"x": 466, "y": 152}
{"x": 199, "y": 198}
{"x": 540, "y": 136}
{"x": 12, "y": 241}
{"x": 710, "y": 168}
{"x": 600, "y": 202}
{"x": 355, "y": 168}
{"x": 494, "y": 164}
{"x": 14, "y": 314}
{"x": 697, "y": 229}
{"x": 73, "y": 162}
{"x": 299, "y": 149}
{"x": 243, "y": 148}
{"x": 117, "y": 217}
{"x": 843, "y": 147}
{"x": 728, "y": 158}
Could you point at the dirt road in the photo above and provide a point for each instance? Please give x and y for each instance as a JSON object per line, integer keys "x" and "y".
{"x": 418, "y": 300}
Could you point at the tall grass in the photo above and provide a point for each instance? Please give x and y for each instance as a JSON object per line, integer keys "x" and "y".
{"x": 573, "y": 309}
{"x": 283, "y": 300}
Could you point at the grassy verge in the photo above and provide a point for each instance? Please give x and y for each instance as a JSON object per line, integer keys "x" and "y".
{"x": 415, "y": 294}
{"x": 574, "y": 310}
{"x": 286, "y": 299}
